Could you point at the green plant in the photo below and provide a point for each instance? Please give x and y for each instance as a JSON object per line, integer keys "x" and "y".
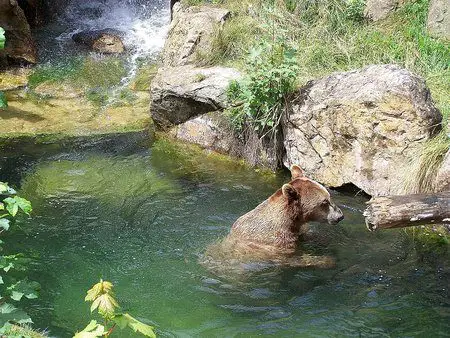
{"x": 13, "y": 285}
{"x": 258, "y": 98}
{"x": 3, "y": 102}
{"x": 2, "y": 38}
{"x": 103, "y": 300}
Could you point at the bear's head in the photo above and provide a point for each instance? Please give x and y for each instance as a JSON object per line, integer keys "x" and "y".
{"x": 314, "y": 200}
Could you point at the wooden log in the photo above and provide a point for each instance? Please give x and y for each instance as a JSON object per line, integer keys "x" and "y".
{"x": 408, "y": 210}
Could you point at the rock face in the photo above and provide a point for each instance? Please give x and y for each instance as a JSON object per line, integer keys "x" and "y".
{"x": 379, "y": 9}
{"x": 106, "y": 41}
{"x": 180, "y": 93}
{"x": 438, "y": 23}
{"x": 19, "y": 46}
{"x": 442, "y": 182}
{"x": 213, "y": 131}
{"x": 360, "y": 127}
{"x": 191, "y": 31}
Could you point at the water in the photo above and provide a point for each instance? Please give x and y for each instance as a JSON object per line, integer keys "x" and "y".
{"x": 142, "y": 219}
{"x": 144, "y": 25}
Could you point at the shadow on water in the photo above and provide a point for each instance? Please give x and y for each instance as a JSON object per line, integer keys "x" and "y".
{"x": 142, "y": 217}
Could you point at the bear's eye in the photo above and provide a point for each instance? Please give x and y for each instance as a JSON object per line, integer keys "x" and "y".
{"x": 325, "y": 202}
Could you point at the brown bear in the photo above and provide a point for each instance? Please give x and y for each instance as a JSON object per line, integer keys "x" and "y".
{"x": 270, "y": 232}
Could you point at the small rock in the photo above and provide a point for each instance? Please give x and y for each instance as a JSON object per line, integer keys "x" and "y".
{"x": 438, "y": 23}
{"x": 106, "y": 41}
{"x": 14, "y": 78}
{"x": 380, "y": 9}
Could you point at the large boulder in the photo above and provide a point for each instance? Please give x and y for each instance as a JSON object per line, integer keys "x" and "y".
{"x": 180, "y": 93}
{"x": 438, "y": 23}
{"x": 213, "y": 131}
{"x": 19, "y": 46}
{"x": 191, "y": 32}
{"x": 360, "y": 127}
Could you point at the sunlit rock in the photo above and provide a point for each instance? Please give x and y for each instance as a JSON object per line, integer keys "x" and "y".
{"x": 180, "y": 93}
{"x": 19, "y": 46}
{"x": 107, "y": 41}
{"x": 360, "y": 127}
{"x": 438, "y": 23}
{"x": 214, "y": 131}
{"x": 191, "y": 32}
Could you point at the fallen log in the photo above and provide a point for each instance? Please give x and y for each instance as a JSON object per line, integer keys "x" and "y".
{"x": 409, "y": 210}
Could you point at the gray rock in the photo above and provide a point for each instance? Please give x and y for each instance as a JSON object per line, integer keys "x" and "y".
{"x": 213, "y": 131}
{"x": 360, "y": 127}
{"x": 379, "y": 9}
{"x": 438, "y": 23}
{"x": 442, "y": 182}
{"x": 19, "y": 46}
{"x": 108, "y": 40}
{"x": 191, "y": 31}
{"x": 180, "y": 93}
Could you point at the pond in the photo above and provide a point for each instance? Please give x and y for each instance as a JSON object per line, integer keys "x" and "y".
{"x": 141, "y": 218}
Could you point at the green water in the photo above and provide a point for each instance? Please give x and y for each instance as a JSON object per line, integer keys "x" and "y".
{"x": 143, "y": 219}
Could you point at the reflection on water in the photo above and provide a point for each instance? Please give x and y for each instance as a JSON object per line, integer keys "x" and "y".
{"x": 142, "y": 220}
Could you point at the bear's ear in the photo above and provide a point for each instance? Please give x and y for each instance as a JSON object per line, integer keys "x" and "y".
{"x": 296, "y": 172}
{"x": 289, "y": 192}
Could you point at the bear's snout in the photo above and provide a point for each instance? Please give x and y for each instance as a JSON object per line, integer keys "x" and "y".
{"x": 335, "y": 215}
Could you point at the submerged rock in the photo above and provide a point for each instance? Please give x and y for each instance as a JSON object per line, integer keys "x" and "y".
{"x": 360, "y": 127}
{"x": 180, "y": 93}
{"x": 108, "y": 41}
{"x": 213, "y": 131}
{"x": 438, "y": 23}
{"x": 19, "y": 46}
{"x": 191, "y": 32}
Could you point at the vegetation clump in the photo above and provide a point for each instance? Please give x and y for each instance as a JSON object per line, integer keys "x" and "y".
{"x": 104, "y": 301}
{"x": 14, "y": 286}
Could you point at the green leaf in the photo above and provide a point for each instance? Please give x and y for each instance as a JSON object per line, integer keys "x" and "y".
{"x": 11, "y": 206}
{"x": 23, "y": 204}
{"x": 3, "y": 101}
{"x": 23, "y": 288}
{"x": 92, "y": 330}
{"x": 124, "y": 320}
{"x": 1, "y": 280}
{"x": 2, "y": 206}
{"x": 4, "y": 223}
{"x": 10, "y": 313}
{"x": 2, "y": 38}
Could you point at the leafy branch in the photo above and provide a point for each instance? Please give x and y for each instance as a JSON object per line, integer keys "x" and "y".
{"x": 103, "y": 300}
{"x": 12, "y": 289}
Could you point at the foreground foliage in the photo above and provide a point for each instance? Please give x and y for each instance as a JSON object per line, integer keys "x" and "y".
{"x": 103, "y": 300}
{"x": 14, "y": 286}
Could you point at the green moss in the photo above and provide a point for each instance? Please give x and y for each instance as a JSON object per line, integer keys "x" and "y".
{"x": 431, "y": 242}
{"x": 191, "y": 160}
{"x": 144, "y": 75}
{"x": 81, "y": 72}
{"x": 97, "y": 176}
